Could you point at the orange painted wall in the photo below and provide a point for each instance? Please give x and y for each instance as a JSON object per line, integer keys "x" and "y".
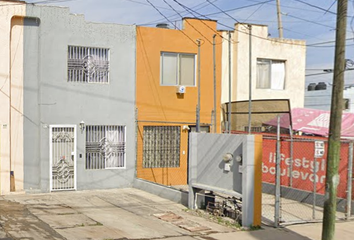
{"x": 161, "y": 103}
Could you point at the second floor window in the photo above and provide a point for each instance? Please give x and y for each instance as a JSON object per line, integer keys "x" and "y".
{"x": 88, "y": 64}
{"x": 177, "y": 69}
{"x": 270, "y": 74}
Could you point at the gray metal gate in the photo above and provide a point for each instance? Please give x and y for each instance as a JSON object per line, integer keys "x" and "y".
{"x": 62, "y": 157}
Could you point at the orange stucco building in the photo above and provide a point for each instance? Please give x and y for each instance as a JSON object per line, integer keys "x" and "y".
{"x": 167, "y": 95}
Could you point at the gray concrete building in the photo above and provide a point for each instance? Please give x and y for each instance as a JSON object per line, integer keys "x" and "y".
{"x": 318, "y": 96}
{"x": 67, "y": 119}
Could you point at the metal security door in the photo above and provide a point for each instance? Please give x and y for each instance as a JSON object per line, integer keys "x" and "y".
{"x": 62, "y": 157}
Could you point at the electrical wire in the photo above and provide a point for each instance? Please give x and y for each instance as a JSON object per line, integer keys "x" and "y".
{"x": 197, "y": 7}
{"x": 290, "y": 7}
{"x": 215, "y": 13}
{"x": 171, "y": 22}
{"x": 222, "y": 11}
{"x": 320, "y": 43}
{"x": 38, "y": 2}
{"x": 188, "y": 22}
{"x": 147, "y": 4}
{"x": 191, "y": 12}
{"x": 315, "y": 74}
{"x": 309, "y": 21}
{"x": 254, "y": 12}
{"x": 314, "y": 6}
{"x": 330, "y": 6}
{"x": 289, "y": 30}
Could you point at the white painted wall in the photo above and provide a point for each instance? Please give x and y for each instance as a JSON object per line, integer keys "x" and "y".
{"x": 11, "y": 72}
{"x": 291, "y": 51}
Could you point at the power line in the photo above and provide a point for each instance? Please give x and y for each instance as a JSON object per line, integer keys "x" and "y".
{"x": 291, "y": 7}
{"x": 289, "y": 30}
{"x": 254, "y": 12}
{"x": 314, "y": 6}
{"x": 315, "y": 74}
{"x": 197, "y": 7}
{"x": 191, "y": 12}
{"x": 147, "y": 4}
{"x": 320, "y": 43}
{"x": 223, "y": 11}
{"x": 239, "y": 8}
{"x": 313, "y": 22}
{"x": 171, "y": 22}
{"x": 267, "y": 39}
{"x": 38, "y": 2}
{"x": 188, "y": 22}
{"x": 215, "y": 13}
{"x": 330, "y": 6}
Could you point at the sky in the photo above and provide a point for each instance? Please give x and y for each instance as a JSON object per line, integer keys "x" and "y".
{"x": 311, "y": 20}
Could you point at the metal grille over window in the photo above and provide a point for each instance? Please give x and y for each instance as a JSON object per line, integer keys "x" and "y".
{"x": 105, "y": 147}
{"x": 161, "y": 146}
{"x": 87, "y": 64}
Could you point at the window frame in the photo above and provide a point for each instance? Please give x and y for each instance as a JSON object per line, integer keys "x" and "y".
{"x": 160, "y": 150}
{"x": 178, "y": 80}
{"x": 83, "y": 53}
{"x": 124, "y": 145}
{"x": 270, "y": 61}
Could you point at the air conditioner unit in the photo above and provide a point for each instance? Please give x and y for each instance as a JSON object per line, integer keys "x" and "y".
{"x": 181, "y": 89}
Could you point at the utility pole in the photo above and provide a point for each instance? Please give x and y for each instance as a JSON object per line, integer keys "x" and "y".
{"x": 332, "y": 177}
{"x": 280, "y": 25}
{"x": 198, "y": 104}
{"x": 229, "y": 105}
{"x": 214, "y": 76}
{"x": 250, "y": 78}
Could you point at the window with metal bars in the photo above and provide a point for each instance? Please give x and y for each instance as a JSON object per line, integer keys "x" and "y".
{"x": 88, "y": 64}
{"x": 105, "y": 147}
{"x": 161, "y": 146}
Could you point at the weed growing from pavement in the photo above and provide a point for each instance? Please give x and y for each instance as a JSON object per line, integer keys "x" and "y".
{"x": 220, "y": 220}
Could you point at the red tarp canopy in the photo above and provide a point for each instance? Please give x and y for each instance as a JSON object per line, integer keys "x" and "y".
{"x": 314, "y": 121}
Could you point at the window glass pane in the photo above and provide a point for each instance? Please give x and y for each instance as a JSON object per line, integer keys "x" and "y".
{"x": 263, "y": 74}
{"x": 278, "y": 75}
{"x": 187, "y": 70}
{"x": 169, "y": 69}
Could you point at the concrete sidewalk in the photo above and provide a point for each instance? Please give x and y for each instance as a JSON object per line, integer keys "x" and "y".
{"x": 127, "y": 214}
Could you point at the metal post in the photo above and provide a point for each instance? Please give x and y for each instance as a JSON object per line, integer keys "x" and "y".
{"x": 229, "y": 106}
{"x": 314, "y": 189}
{"x": 214, "y": 71}
{"x": 250, "y": 79}
{"x": 291, "y": 157}
{"x": 277, "y": 178}
{"x": 349, "y": 182}
{"x": 198, "y": 104}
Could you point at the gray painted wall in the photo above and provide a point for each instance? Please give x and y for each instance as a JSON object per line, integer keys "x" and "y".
{"x": 321, "y": 99}
{"x": 49, "y": 99}
{"x": 207, "y": 165}
{"x": 206, "y": 168}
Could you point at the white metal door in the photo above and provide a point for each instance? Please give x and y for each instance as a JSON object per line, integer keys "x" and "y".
{"x": 62, "y": 157}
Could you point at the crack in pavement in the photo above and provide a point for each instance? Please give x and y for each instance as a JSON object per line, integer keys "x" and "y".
{"x": 17, "y": 222}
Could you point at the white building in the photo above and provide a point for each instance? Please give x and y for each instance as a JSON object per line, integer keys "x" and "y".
{"x": 277, "y": 66}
